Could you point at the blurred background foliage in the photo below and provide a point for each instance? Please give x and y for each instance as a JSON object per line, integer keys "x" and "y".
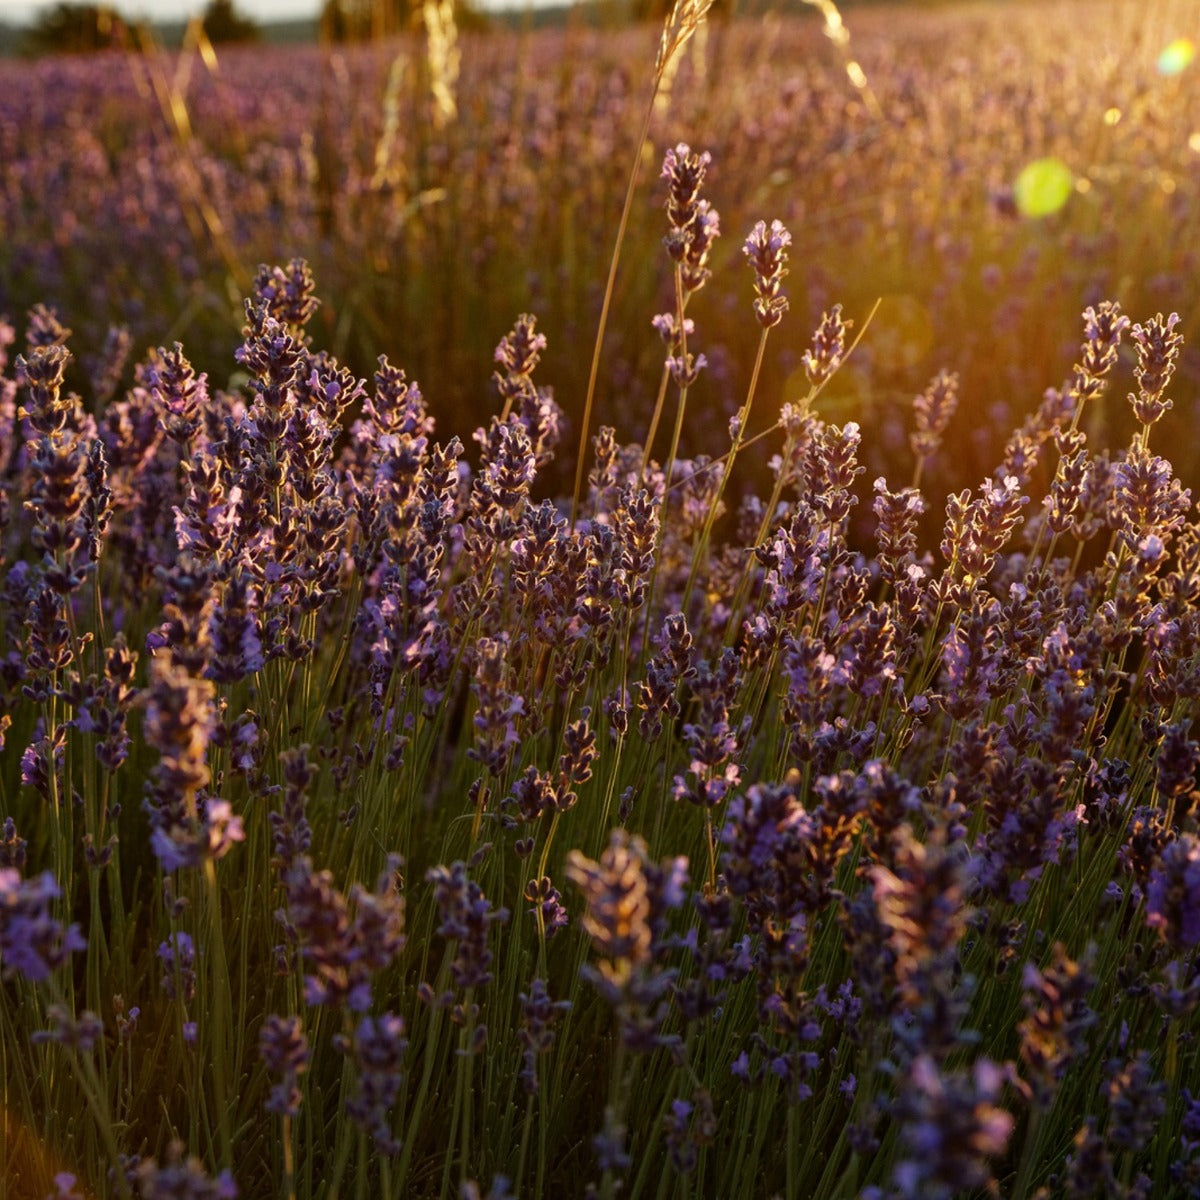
{"x": 444, "y": 178}
{"x": 87, "y": 28}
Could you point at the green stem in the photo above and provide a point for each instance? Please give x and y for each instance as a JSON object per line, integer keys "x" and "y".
{"x": 221, "y": 1022}
{"x": 739, "y": 436}
{"x": 585, "y": 424}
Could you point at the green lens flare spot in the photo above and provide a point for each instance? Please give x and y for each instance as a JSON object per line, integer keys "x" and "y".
{"x": 1043, "y": 187}
{"x": 1176, "y": 56}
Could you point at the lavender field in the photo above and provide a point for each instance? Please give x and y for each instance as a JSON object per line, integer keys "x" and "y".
{"x": 651, "y": 650}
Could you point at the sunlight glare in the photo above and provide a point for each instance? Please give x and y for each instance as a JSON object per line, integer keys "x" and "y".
{"x": 1043, "y": 187}
{"x": 1176, "y": 56}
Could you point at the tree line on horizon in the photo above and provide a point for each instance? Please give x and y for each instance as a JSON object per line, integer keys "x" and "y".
{"x": 83, "y": 28}
{"x": 71, "y": 27}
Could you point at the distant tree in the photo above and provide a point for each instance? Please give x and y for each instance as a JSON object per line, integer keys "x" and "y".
{"x": 77, "y": 29}
{"x": 223, "y": 23}
{"x": 363, "y": 20}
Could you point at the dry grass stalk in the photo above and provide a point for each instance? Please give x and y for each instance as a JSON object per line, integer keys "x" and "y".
{"x": 836, "y": 31}
{"x": 389, "y": 166}
{"x": 684, "y": 19}
{"x": 443, "y": 57}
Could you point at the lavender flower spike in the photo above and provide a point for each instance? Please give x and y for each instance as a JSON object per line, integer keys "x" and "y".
{"x": 1173, "y": 893}
{"x": 828, "y": 347}
{"x": 32, "y": 942}
{"x": 767, "y": 251}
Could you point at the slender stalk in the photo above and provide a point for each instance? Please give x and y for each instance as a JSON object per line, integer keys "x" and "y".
{"x": 656, "y": 417}
{"x": 220, "y": 1013}
{"x": 682, "y": 21}
{"x": 287, "y": 1137}
{"x": 742, "y": 418}
{"x": 593, "y": 373}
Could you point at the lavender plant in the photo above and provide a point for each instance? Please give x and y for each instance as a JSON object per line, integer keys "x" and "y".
{"x": 369, "y": 825}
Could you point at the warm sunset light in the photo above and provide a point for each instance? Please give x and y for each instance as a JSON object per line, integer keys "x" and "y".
{"x": 599, "y": 601}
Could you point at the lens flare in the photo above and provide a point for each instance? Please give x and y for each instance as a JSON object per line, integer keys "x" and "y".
{"x": 1176, "y": 56}
{"x": 1043, "y": 187}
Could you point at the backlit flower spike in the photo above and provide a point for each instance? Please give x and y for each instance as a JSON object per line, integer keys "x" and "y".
{"x": 766, "y": 250}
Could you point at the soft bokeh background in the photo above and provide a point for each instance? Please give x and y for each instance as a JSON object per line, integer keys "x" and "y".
{"x": 982, "y": 171}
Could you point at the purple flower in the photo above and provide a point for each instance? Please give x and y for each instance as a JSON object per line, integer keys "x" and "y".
{"x": 781, "y": 857}
{"x": 685, "y": 368}
{"x": 933, "y": 410}
{"x": 178, "y": 724}
{"x": 972, "y": 660}
{"x": 377, "y": 1051}
{"x": 920, "y": 900}
{"x": 1057, "y": 1019}
{"x": 667, "y": 328}
{"x": 547, "y": 901}
{"x": 81, "y": 1033}
{"x": 497, "y": 708}
{"x": 178, "y": 957}
{"x": 766, "y": 250}
{"x": 1137, "y": 1102}
{"x": 179, "y": 393}
{"x": 618, "y": 898}
{"x": 211, "y": 836}
{"x": 466, "y": 917}
{"x": 287, "y": 292}
{"x": 42, "y": 374}
{"x": 539, "y": 1015}
{"x": 1158, "y": 346}
{"x": 507, "y": 470}
{"x": 64, "y": 1187}
{"x": 284, "y": 1051}
{"x": 182, "y": 1178}
{"x": 689, "y": 1125}
{"x": 12, "y": 846}
{"x": 343, "y": 953}
{"x": 952, "y": 1127}
{"x": 1173, "y": 893}
{"x": 499, "y": 1190}
{"x": 609, "y": 1144}
{"x": 32, "y": 942}
{"x": 1147, "y": 498}
{"x": 693, "y": 224}
{"x": 684, "y": 172}
{"x": 710, "y": 739}
{"x": 519, "y": 351}
{"x": 628, "y": 900}
{"x": 828, "y": 347}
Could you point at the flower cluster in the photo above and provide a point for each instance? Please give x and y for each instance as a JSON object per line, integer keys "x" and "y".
{"x": 33, "y": 942}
